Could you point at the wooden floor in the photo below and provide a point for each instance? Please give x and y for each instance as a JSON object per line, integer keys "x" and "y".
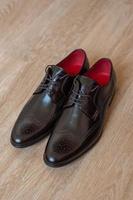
{"x": 35, "y": 33}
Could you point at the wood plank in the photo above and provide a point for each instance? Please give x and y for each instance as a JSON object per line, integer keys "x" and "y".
{"x": 36, "y": 33}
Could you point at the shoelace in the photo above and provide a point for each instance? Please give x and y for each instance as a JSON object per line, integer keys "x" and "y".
{"x": 75, "y": 96}
{"x": 49, "y": 80}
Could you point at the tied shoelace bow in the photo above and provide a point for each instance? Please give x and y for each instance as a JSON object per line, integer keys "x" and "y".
{"x": 50, "y": 80}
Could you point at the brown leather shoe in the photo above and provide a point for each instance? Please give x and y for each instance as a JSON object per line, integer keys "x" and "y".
{"x": 80, "y": 125}
{"x": 45, "y": 106}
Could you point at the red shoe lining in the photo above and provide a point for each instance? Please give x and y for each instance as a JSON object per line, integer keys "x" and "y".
{"x": 100, "y": 71}
{"x": 73, "y": 63}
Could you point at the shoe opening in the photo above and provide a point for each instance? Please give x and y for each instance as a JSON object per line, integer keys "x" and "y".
{"x": 100, "y": 71}
{"x": 73, "y": 63}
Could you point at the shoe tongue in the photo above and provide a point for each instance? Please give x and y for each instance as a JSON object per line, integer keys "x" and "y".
{"x": 86, "y": 80}
{"x": 55, "y": 70}
{"x": 86, "y": 83}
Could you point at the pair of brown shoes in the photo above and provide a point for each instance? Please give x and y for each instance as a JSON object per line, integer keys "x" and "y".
{"x": 70, "y": 105}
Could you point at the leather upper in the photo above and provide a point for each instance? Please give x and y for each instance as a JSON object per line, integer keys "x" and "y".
{"x": 81, "y": 120}
{"x": 43, "y": 109}
{"x": 43, "y": 106}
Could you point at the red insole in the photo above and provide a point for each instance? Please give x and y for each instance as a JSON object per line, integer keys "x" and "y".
{"x": 100, "y": 71}
{"x": 73, "y": 63}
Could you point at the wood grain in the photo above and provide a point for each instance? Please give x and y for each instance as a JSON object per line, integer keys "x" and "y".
{"x": 35, "y": 33}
